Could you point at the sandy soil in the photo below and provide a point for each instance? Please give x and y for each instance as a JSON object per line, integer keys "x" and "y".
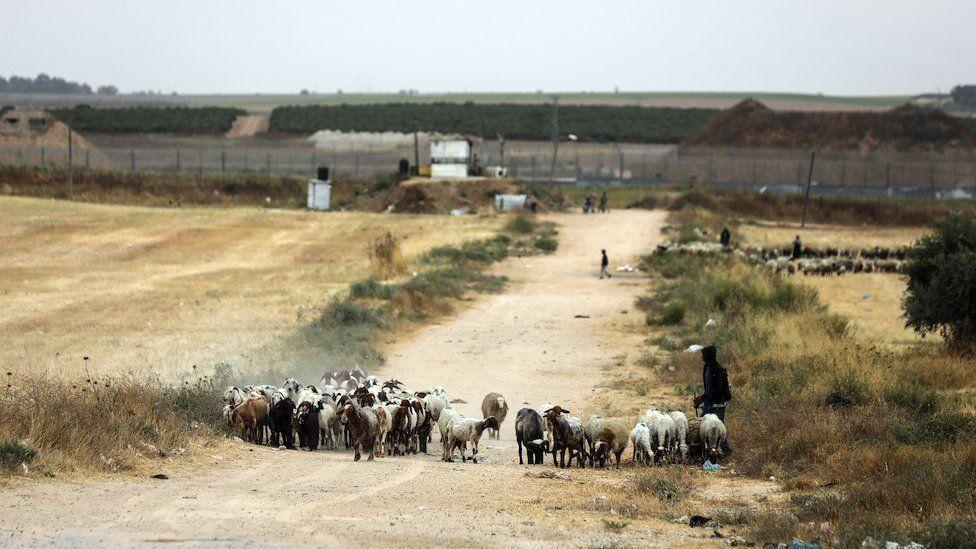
{"x": 549, "y": 338}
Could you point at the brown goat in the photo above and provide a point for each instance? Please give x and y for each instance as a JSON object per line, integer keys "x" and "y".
{"x": 363, "y": 425}
{"x": 250, "y": 417}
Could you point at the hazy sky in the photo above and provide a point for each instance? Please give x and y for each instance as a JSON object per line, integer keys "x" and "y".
{"x": 829, "y": 46}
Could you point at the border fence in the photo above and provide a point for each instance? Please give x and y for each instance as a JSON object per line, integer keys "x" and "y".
{"x": 886, "y": 174}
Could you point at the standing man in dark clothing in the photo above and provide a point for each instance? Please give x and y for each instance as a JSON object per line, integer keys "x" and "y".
{"x": 604, "y": 263}
{"x": 726, "y": 237}
{"x": 603, "y": 202}
{"x": 717, "y": 391}
{"x": 797, "y": 247}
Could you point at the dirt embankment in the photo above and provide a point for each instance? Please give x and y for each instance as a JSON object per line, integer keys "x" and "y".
{"x": 750, "y": 124}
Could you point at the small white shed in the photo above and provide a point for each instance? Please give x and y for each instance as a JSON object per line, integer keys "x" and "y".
{"x": 509, "y": 202}
{"x": 319, "y": 194}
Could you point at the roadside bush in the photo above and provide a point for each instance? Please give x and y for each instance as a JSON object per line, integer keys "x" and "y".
{"x": 941, "y": 281}
{"x": 521, "y": 224}
{"x": 370, "y": 288}
{"x": 15, "y": 452}
{"x": 546, "y": 244}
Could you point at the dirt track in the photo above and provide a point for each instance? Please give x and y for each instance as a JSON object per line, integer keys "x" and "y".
{"x": 526, "y": 343}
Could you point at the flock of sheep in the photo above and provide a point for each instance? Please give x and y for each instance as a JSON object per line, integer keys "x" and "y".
{"x": 812, "y": 261}
{"x": 383, "y": 418}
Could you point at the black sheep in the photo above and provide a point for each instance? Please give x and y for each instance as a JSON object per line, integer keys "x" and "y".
{"x": 528, "y": 432}
{"x": 308, "y": 425}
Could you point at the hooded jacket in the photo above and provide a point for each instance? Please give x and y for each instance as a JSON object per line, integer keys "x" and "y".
{"x": 715, "y": 379}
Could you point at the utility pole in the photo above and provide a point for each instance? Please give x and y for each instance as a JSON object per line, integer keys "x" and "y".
{"x": 416, "y": 149}
{"x": 555, "y": 138}
{"x": 71, "y": 168}
{"x": 806, "y": 195}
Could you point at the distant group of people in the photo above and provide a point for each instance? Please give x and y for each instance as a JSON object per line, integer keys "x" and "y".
{"x": 589, "y": 203}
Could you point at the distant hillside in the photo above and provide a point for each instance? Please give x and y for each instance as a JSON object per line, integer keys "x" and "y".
{"x": 751, "y": 124}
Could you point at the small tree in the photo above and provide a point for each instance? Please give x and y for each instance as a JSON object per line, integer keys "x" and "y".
{"x": 941, "y": 294}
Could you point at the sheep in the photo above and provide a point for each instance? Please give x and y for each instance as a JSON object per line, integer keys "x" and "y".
{"x": 590, "y": 429}
{"x": 228, "y": 410}
{"x": 713, "y": 434}
{"x": 465, "y": 430}
{"x": 528, "y": 432}
{"x": 383, "y": 421}
{"x": 282, "y": 411}
{"x": 567, "y": 434}
{"x": 546, "y": 428}
{"x": 611, "y": 438}
{"x": 250, "y": 417}
{"x": 435, "y": 401}
{"x": 663, "y": 432}
{"x": 640, "y": 438}
{"x": 681, "y": 433}
{"x": 444, "y": 426}
{"x": 494, "y": 405}
{"x": 363, "y": 426}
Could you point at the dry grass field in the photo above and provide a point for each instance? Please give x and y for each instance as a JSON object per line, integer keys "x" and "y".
{"x": 160, "y": 290}
{"x": 871, "y": 301}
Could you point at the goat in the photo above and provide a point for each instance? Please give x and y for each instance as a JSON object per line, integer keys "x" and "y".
{"x": 282, "y": 411}
{"x": 363, "y": 426}
{"x": 528, "y": 433}
{"x": 250, "y": 417}
{"x": 494, "y": 405}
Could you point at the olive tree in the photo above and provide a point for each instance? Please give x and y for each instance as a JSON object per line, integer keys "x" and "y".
{"x": 941, "y": 294}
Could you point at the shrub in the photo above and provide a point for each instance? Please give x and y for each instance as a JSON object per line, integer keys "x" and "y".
{"x": 343, "y": 312}
{"x": 952, "y": 535}
{"x": 941, "y": 294}
{"x": 15, "y": 452}
{"x": 520, "y": 224}
{"x": 370, "y": 289}
{"x": 546, "y": 244}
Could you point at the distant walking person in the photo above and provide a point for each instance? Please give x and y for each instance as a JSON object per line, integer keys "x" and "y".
{"x": 604, "y": 263}
{"x": 797, "y": 247}
{"x": 603, "y": 202}
{"x": 587, "y": 204}
{"x": 726, "y": 237}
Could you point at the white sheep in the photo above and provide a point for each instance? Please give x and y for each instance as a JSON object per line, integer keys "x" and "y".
{"x": 447, "y": 416}
{"x": 464, "y": 430}
{"x": 640, "y": 437}
{"x": 663, "y": 432}
{"x": 713, "y": 435}
{"x": 681, "y": 433}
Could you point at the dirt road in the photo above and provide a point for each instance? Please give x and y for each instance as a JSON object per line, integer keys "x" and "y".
{"x": 548, "y": 338}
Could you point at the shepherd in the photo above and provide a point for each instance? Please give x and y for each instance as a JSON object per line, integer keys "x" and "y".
{"x": 604, "y": 263}
{"x": 717, "y": 394}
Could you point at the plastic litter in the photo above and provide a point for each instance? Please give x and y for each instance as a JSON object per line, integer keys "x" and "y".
{"x": 709, "y": 466}
{"x": 694, "y": 348}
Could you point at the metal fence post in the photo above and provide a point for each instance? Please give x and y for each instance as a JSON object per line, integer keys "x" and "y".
{"x": 87, "y": 159}
{"x": 178, "y": 166}
{"x": 132, "y": 162}
{"x": 244, "y": 169}
{"x": 843, "y": 172}
{"x": 223, "y": 163}
{"x": 356, "y": 170}
{"x": 799, "y": 172}
{"x": 42, "y": 156}
{"x": 888, "y": 176}
{"x": 267, "y": 163}
{"x": 533, "y": 167}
